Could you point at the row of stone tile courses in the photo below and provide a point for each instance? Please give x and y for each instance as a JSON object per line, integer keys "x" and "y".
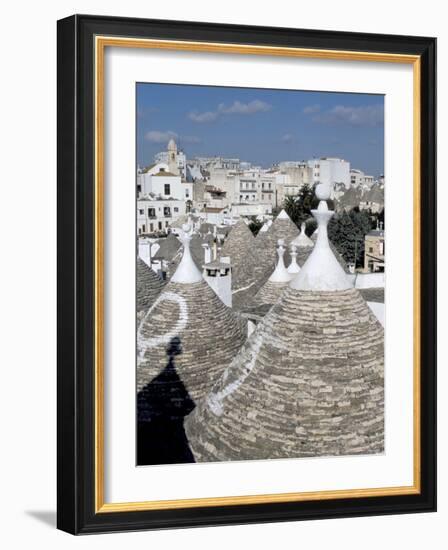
{"x": 149, "y": 286}
{"x": 309, "y": 381}
{"x": 239, "y": 247}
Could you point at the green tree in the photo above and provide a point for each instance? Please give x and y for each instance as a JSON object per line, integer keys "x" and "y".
{"x": 255, "y": 225}
{"x": 298, "y": 207}
{"x": 347, "y": 231}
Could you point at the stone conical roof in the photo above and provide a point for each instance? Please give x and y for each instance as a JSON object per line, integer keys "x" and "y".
{"x": 170, "y": 252}
{"x": 308, "y": 382}
{"x": 238, "y": 246}
{"x": 207, "y": 333}
{"x": 149, "y": 286}
{"x": 310, "y": 379}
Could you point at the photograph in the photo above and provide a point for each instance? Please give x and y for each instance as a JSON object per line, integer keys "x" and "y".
{"x": 260, "y": 274}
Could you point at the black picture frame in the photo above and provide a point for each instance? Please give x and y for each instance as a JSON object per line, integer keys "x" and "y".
{"x": 76, "y": 256}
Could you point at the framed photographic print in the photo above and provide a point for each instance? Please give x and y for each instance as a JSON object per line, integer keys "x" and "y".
{"x": 246, "y": 274}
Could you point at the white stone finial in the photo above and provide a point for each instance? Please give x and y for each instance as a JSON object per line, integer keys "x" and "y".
{"x": 323, "y": 191}
{"x": 186, "y": 272}
{"x": 321, "y": 271}
{"x": 293, "y": 267}
{"x": 302, "y": 239}
{"x": 280, "y": 274}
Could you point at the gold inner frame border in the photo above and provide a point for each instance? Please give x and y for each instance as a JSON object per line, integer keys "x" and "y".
{"x": 101, "y": 42}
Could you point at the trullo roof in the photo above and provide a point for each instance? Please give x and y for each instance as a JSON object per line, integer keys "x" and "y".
{"x": 149, "y": 286}
{"x": 207, "y": 334}
{"x": 308, "y": 382}
{"x": 238, "y": 246}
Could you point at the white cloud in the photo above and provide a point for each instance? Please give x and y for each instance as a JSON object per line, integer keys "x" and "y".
{"x": 287, "y": 138}
{"x": 370, "y": 115}
{"x": 236, "y": 108}
{"x": 207, "y": 116}
{"x": 155, "y": 136}
{"x": 311, "y": 109}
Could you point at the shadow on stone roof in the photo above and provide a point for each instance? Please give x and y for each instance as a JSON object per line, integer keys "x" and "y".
{"x": 161, "y": 407}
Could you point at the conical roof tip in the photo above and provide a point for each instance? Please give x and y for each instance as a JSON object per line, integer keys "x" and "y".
{"x": 186, "y": 272}
{"x": 283, "y": 215}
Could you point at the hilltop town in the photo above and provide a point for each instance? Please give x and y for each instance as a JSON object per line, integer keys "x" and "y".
{"x": 262, "y": 343}
{"x": 216, "y": 192}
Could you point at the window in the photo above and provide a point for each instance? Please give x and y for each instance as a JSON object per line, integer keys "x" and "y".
{"x": 269, "y": 185}
{"x": 151, "y": 212}
{"x": 141, "y": 211}
{"x": 167, "y": 211}
{"x": 151, "y": 227}
{"x": 167, "y": 189}
{"x": 144, "y": 228}
{"x": 160, "y": 225}
{"x": 370, "y": 249}
{"x": 176, "y": 209}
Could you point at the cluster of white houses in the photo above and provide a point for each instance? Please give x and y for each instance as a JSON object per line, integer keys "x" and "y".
{"x": 279, "y": 346}
{"x": 220, "y": 190}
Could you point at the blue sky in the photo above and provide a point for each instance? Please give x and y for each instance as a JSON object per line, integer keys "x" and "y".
{"x": 261, "y": 126}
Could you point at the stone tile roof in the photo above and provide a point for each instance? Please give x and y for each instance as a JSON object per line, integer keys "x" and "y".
{"x": 308, "y": 382}
{"x": 269, "y": 293}
{"x": 207, "y": 334}
{"x": 149, "y": 286}
{"x": 373, "y": 294}
{"x": 170, "y": 252}
{"x": 238, "y": 246}
{"x": 168, "y": 248}
{"x": 206, "y": 227}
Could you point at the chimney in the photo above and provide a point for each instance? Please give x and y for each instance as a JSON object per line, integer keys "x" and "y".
{"x": 218, "y": 275}
{"x": 207, "y": 253}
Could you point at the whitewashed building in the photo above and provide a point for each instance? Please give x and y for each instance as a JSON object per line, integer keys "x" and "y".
{"x": 330, "y": 171}
{"x": 155, "y": 214}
